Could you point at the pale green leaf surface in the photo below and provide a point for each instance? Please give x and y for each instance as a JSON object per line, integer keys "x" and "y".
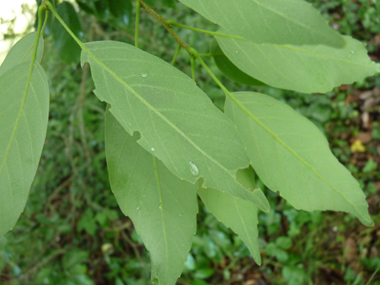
{"x": 177, "y": 121}
{"x": 269, "y": 21}
{"x": 235, "y": 213}
{"x": 23, "y": 123}
{"x": 306, "y": 69}
{"x": 22, "y": 51}
{"x": 163, "y": 207}
{"x": 247, "y": 178}
{"x": 292, "y": 156}
{"x": 229, "y": 69}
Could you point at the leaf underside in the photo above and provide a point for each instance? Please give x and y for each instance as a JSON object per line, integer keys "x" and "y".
{"x": 229, "y": 69}
{"x": 23, "y": 123}
{"x": 162, "y": 207}
{"x": 306, "y": 69}
{"x": 269, "y": 21}
{"x": 292, "y": 156}
{"x": 177, "y": 121}
{"x": 235, "y": 213}
{"x": 22, "y": 51}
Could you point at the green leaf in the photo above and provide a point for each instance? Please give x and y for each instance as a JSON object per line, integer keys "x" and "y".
{"x": 247, "y": 178}
{"x": 229, "y": 69}
{"x": 23, "y": 123}
{"x": 22, "y": 51}
{"x": 87, "y": 6}
{"x": 235, "y": 213}
{"x": 292, "y": 156}
{"x": 284, "y": 242}
{"x": 177, "y": 121}
{"x": 161, "y": 3}
{"x": 68, "y": 49}
{"x": 163, "y": 207}
{"x": 101, "y": 9}
{"x": 122, "y": 9}
{"x": 304, "y": 69}
{"x": 269, "y": 21}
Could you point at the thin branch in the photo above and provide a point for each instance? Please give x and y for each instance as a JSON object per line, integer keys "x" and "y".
{"x": 176, "y": 54}
{"x": 167, "y": 26}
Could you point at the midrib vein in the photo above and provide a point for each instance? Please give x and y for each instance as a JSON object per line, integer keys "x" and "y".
{"x": 17, "y": 120}
{"x": 146, "y": 103}
{"x": 163, "y": 214}
{"x": 291, "y": 151}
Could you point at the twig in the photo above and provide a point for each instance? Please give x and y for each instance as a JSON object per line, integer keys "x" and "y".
{"x": 56, "y": 192}
{"x": 134, "y": 247}
{"x": 167, "y": 26}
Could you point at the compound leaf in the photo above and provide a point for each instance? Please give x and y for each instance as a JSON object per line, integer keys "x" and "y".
{"x": 23, "y": 123}
{"x": 304, "y": 69}
{"x": 163, "y": 207}
{"x": 22, "y": 51}
{"x": 269, "y": 21}
{"x": 177, "y": 121}
{"x": 292, "y": 156}
{"x": 235, "y": 213}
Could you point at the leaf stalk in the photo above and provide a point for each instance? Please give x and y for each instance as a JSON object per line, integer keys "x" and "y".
{"x": 192, "y": 61}
{"x": 176, "y": 53}
{"x": 46, "y": 18}
{"x": 51, "y": 8}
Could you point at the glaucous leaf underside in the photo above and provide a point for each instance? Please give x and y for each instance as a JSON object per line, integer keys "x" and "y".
{"x": 292, "y": 156}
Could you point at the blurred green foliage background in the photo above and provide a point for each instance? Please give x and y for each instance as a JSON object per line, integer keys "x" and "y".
{"x": 72, "y": 231}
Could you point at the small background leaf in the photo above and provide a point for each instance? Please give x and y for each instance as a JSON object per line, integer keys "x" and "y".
{"x": 122, "y": 9}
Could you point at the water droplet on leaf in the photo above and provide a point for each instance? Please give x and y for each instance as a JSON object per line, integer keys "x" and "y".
{"x": 160, "y": 207}
{"x": 152, "y": 149}
{"x": 194, "y": 169}
{"x": 144, "y": 75}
